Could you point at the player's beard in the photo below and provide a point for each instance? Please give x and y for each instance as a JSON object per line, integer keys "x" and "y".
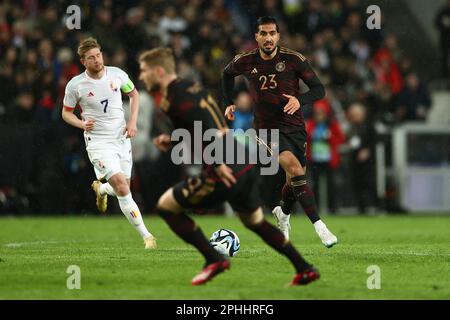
{"x": 268, "y": 51}
{"x": 96, "y": 69}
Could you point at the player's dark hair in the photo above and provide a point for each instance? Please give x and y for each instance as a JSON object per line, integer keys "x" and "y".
{"x": 266, "y": 20}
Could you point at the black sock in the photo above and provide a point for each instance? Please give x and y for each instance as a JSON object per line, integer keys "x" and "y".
{"x": 186, "y": 229}
{"x": 274, "y": 238}
{"x": 305, "y": 197}
{"x": 287, "y": 199}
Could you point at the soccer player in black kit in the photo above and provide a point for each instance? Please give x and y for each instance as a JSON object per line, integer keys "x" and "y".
{"x": 273, "y": 73}
{"x": 185, "y": 102}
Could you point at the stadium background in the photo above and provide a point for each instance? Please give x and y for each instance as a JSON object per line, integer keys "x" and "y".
{"x": 44, "y": 166}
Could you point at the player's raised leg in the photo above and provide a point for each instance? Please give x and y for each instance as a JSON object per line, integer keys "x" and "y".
{"x": 180, "y": 223}
{"x": 304, "y": 195}
{"x": 256, "y": 222}
{"x": 102, "y": 190}
{"x": 130, "y": 209}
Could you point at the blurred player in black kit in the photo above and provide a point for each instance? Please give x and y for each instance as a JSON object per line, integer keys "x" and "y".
{"x": 273, "y": 73}
{"x": 186, "y": 103}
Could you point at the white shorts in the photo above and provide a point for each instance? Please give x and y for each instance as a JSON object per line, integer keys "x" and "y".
{"x": 110, "y": 157}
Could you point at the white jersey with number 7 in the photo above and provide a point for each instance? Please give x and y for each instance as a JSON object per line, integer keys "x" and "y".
{"x": 100, "y": 100}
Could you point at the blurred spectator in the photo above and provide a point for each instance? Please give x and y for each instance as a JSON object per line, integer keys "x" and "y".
{"x": 76, "y": 171}
{"x": 133, "y": 36}
{"x": 208, "y": 75}
{"x": 46, "y": 60}
{"x": 69, "y": 69}
{"x": 312, "y": 19}
{"x": 243, "y": 117}
{"x": 24, "y": 108}
{"x": 442, "y": 23}
{"x": 361, "y": 140}
{"x": 186, "y": 71}
{"x": 45, "y": 107}
{"x": 413, "y": 101}
{"x": 272, "y": 8}
{"x": 48, "y": 20}
{"x": 102, "y": 30}
{"x": 12, "y": 202}
{"x": 171, "y": 21}
{"x": 391, "y": 44}
{"x": 119, "y": 58}
{"x": 203, "y": 39}
{"x": 386, "y": 70}
{"x": 324, "y": 138}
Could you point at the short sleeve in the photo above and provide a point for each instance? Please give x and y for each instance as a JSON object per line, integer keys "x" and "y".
{"x": 234, "y": 67}
{"x": 126, "y": 85}
{"x": 70, "y": 96}
{"x": 303, "y": 69}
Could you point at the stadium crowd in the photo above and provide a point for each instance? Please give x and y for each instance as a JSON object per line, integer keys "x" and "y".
{"x": 368, "y": 78}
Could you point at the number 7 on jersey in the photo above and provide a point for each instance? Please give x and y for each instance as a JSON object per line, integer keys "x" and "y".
{"x": 105, "y": 103}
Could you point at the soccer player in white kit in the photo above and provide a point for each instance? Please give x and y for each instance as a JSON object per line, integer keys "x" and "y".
{"x": 98, "y": 92}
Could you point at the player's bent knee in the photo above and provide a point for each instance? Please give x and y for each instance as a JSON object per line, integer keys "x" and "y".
{"x": 119, "y": 184}
{"x": 295, "y": 171}
{"x": 291, "y": 164}
{"x": 167, "y": 202}
{"x": 250, "y": 219}
{"x": 122, "y": 189}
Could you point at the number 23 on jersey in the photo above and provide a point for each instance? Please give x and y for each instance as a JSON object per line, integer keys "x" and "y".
{"x": 268, "y": 82}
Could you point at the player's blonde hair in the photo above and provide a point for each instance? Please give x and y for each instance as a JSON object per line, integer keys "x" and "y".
{"x": 162, "y": 57}
{"x": 86, "y": 45}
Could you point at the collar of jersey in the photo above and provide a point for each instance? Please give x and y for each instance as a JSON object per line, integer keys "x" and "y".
{"x": 90, "y": 78}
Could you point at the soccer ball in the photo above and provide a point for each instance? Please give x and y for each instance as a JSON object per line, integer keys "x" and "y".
{"x": 225, "y": 242}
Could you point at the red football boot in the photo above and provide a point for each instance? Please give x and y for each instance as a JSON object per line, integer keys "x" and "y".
{"x": 309, "y": 275}
{"x": 210, "y": 271}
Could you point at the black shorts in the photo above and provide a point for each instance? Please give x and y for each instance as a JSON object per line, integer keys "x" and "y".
{"x": 207, "y": 190}
{"x": 294, "y": 142}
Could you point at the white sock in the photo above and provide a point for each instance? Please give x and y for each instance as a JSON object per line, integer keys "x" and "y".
{"x": 319, "y": 224}
{"x": 131, "y": 211}
{"x": 106, "y": 188}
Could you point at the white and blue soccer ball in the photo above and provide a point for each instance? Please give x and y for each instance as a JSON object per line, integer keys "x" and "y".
{"x": 225, "y": 242}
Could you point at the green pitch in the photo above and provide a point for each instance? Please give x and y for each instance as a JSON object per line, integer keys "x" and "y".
{"x": 413, "y": 254}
